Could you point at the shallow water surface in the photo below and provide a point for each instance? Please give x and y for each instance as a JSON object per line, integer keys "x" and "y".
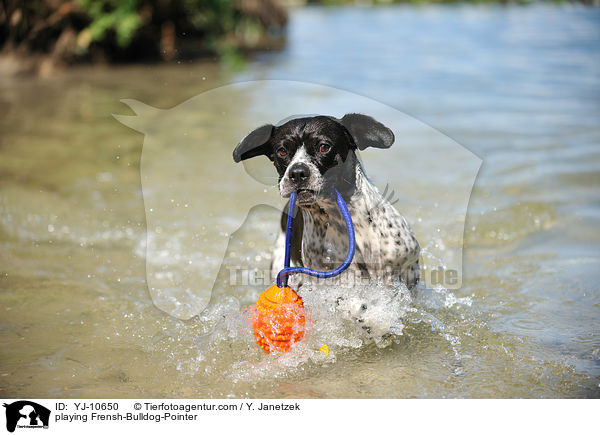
{"x": 517, "y": 86}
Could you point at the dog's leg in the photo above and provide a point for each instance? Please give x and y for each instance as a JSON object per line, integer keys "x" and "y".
{"x": 411, "y": 275}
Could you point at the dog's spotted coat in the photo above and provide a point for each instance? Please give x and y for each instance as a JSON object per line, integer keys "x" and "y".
{"x": 385, "y": 244}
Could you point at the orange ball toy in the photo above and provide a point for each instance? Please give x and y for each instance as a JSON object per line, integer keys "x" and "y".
{"x": 278, "y": 319}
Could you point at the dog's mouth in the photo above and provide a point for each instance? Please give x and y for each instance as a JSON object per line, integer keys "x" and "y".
{"x": 305, "y": 196}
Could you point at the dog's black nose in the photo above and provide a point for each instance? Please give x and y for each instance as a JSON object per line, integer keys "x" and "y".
{"x": 299, "y": 172}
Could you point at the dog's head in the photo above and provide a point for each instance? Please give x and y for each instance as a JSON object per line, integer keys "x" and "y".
{"x": 316, "y": 154}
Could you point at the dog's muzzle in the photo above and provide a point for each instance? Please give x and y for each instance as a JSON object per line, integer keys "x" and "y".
{"x": 299, "y": 178}
{"x": 299, "y": 174}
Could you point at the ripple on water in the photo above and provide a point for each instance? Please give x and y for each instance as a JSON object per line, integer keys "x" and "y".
{"x": 508, "y": 224}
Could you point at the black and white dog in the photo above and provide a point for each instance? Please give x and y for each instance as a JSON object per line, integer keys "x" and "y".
{"x": 313, "y": 155}
{"x": 316, "y": 154}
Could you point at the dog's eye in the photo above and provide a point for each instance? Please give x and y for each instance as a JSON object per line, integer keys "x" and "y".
{"x": 325, "y": 147}
{"x": 282, "y": 152}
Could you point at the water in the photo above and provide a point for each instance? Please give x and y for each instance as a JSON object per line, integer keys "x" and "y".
{"x": 518, "y": 86}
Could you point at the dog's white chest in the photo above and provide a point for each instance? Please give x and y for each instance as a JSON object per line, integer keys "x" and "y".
{"x": 385, "y": 244}
{"x": 324, "y": 241}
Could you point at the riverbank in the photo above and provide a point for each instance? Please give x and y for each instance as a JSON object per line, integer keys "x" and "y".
{"x": 46, "y": 37}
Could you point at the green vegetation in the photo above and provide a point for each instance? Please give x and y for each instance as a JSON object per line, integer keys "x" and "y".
{"x": 71, "y": 31}
{"x": 120, "y": 17}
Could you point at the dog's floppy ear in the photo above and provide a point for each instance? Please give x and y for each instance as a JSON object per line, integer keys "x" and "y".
{"x": 254, "y": 144}
{"x": 367, "y": 132}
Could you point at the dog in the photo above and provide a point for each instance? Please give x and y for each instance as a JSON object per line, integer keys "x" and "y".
{"x": 314, "y": 155}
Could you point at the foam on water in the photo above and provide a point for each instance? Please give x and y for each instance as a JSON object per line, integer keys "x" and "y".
{"x": 219, "y": 342}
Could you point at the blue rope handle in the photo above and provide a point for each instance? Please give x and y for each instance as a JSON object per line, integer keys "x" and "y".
{"x": 282, "y": 276}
